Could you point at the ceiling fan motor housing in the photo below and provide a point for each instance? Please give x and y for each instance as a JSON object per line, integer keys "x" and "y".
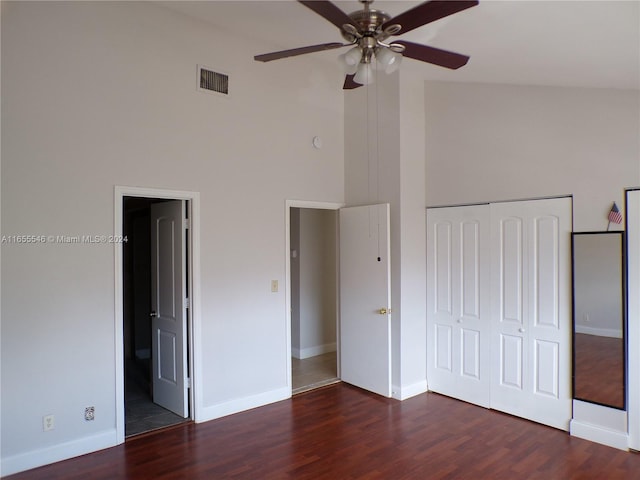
{"x": 369, "y": 23}
{"x": 369, "y": 20}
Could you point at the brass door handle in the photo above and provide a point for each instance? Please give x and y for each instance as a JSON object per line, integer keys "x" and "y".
{"x": 384, "y": 311}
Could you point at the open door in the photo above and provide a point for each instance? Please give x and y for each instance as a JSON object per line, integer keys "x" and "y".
{"x": 365, "y": 298}
{"x": 169, "y": 307}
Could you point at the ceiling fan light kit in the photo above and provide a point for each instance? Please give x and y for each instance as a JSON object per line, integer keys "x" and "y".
{"x": 367, "y": 30}
{"x": 388, "y": 60}
{"x": 364, "y": 74}
{"x": 351, "y": 59}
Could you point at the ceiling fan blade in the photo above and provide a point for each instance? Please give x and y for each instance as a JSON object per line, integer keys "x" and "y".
{"x": 329, "y": 11}
{"x": 433, "y": 55}
{"x": 428, "y": 12}
{"x": 349, "y": 84}
{"x": 267, "y": 57}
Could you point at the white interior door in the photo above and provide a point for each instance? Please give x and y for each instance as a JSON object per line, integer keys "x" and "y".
{"x": 168, "y": 300}
{"x": 365, "y": 298}
{"x": 531, "y": 310}
{"x": 458, "y": 306}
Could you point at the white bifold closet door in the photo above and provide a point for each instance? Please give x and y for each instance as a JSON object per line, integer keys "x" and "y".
{"x": 458, "y": 321}
{"x": 499, "y": 307}
{"x": 531, "y": 310}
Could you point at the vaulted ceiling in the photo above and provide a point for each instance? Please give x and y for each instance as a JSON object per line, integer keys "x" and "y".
{"x": 561, "y": 43}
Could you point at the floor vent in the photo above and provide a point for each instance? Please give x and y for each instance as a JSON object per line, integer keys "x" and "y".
{"x": 210, "y": 81}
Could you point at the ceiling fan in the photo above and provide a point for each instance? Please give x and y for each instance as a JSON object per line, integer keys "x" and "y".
{"x": 367, "y": 30}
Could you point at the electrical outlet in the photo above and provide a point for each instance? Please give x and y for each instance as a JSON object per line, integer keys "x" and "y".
{"x": 90, "y": 413}
{"x": 48, "y": 423}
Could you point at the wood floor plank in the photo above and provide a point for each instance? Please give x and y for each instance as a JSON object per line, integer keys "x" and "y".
{"x": 341, "y": 432}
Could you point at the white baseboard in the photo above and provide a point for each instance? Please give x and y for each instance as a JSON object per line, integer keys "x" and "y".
{"x": 302, "y": 353}
{"x": 595, "y": 433}
{"x": 402, "y": 393}
{"x": 241, "y": 404}
{"x": 600, "y": 332}
{"x": 56, "y": 453}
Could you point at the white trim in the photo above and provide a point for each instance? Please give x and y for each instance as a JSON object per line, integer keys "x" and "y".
{"x": 600, "y": 424}
{"x": 598, "y": 434}
{"x": 600, "y": 415}
{"x": 600, "y": 332}
{"x": 194, "y": 319}
{"x": 289, "y": 204}
{"x": 633, "y": 317}
{"x": 62, "y": 451}
{"x": 402, "y": 393}
{"x": 303, "y": 353}
{"x": 314, "y": 205}
{"x": 241, "y": 404}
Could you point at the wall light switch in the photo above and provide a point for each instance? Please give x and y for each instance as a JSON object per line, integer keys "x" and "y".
{"x": 274, "y": 286}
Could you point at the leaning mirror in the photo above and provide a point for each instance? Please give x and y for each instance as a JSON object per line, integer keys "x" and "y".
{"x": 599, "y": 319}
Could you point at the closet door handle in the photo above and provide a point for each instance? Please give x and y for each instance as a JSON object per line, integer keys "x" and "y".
{"x": 521, "y": 330}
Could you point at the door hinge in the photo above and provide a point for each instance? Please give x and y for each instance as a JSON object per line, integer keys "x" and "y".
{"x": 187, "y": 223}
{"x": 187, "y": 302}
{"x": 188, "y": 382}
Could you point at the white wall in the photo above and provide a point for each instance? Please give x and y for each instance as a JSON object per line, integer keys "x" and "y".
{"x": 413, "y": 237}
{"x": 500, "y": 142}
{"x": 317, "y": 287}
{"x": 294, "y": 266}
{"x": 98, "y": 94}
{"x": 384, "y": 163}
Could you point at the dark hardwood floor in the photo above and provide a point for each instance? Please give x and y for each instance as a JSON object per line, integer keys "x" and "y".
{"x": 340, "y": 432}
{"x": 599, "y": 369}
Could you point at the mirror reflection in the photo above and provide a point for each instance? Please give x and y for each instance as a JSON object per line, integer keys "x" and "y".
{"x": 599, "y": 318}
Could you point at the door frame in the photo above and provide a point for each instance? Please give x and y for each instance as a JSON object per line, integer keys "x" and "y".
{"x": 632, "y": 228}
{"x": 289, "y": 204}
{"x": 194, "y": 317}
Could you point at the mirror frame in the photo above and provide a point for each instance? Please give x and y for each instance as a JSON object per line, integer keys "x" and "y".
{"x": 624, "y": 319}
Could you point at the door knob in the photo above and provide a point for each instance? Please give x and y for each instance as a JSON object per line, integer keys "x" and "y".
{"x": 382, "y": 311}
{"x": 521, "y": 330}
{"x": 153, "y": 314}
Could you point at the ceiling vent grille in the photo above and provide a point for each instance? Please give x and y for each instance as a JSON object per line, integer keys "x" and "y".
{"x": 210, "y": 81}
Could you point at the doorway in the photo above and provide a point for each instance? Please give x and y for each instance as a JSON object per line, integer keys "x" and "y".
{"x": 146, "y": 377}
{"x": 313, "y": 273}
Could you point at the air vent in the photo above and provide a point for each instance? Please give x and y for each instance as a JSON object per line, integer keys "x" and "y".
{"x": 210, "y": 81}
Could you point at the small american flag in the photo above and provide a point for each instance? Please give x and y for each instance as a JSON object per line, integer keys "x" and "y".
{"x": 614, "y": 215}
